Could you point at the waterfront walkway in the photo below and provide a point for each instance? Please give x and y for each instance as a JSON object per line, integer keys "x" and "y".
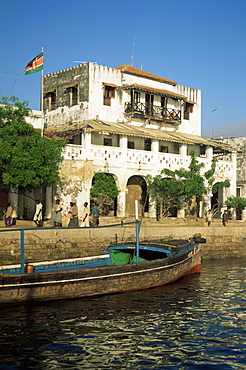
{"x": 178, "y": 222}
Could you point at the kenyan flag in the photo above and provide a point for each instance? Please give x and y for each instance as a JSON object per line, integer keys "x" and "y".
{"x": 35, "y": 65}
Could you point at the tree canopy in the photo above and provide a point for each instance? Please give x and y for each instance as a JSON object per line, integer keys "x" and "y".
{"x": 173, "y": 188}
{"x": 26, "y": 158}
{"x": 238, "y": 203}
{"x": 104, "y": 188}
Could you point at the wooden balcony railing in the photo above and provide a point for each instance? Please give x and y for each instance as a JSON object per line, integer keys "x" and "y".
{"x": 154, "y": 111}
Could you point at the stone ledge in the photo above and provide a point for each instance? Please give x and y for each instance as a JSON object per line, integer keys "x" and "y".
{"x": 47, "y": 244}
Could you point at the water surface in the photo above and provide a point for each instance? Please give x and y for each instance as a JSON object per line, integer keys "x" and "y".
{"x": 196, "y": 323}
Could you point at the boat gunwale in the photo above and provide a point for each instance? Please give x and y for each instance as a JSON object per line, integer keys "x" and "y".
{"x": 133, "y": 268}
{"x": 66, "y": 260}
{"x": 145, "y": 244}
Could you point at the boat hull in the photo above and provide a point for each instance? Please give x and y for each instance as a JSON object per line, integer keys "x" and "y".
{"x": 96, "y": 281}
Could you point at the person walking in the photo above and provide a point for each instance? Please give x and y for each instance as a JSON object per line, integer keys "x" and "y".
{"x": 8, "y": 215}
{"x": 14, "y": 217}
{"x": 57, "y": 214}
{"x": 38, "y": 213}
{"x": 209, "y": 217}
{"x": 73, "y": 215}
{"x": 95, "y": 214}
{"x": 224, "y": 218}
{"x": 85, "y": 216}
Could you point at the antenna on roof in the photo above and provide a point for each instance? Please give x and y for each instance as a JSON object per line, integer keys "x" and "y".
{"x": 83, "y": 62}
{"x": 133, "y": 48}
{"x": 15, "y": 79}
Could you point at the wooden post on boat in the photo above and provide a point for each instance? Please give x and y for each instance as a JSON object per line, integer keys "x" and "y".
{"x": 137, "y": 230}
{"x": 22, "y": 250}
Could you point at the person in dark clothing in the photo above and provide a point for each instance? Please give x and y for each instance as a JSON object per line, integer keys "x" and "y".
{"x": 95, "y": 215}
{"x": 73, "y": 215}
{"x": 224, "y": 218}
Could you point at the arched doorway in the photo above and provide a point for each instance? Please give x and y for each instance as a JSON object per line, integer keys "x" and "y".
{"x": 217, "y": 202}
{"x": 108, "y": 204}
{"x": 136, "y": 188}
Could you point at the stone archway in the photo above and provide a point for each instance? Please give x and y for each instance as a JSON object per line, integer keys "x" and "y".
{"x": 136, "y": 188}
{"x": 217, "y": 202}
{"x": 109, "y": 208}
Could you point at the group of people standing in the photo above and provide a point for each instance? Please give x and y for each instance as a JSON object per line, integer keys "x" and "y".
{"x": 10, "y": 215}
{"x": 89, "y": 217}
{"x": 72, "y": 215}
{"x": 224, "y": 217}
{"x": 74, "y": 219}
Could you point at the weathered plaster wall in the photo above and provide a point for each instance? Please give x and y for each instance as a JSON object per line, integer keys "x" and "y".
{"x": 240, "y": 144}
{"x": 193, "y": 125}
{"x": 64, "y": 114}
{"x": 98, "y": 75}
{"x": 77, "y": 177}
{"x": 36, "y": 119}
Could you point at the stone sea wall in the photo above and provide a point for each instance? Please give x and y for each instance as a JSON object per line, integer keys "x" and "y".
{"x": 48, "y": 244}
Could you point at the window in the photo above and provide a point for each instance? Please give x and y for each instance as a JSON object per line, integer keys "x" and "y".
{"x": 136, "y": 96}
{"x": 149, "y": 101}
{"x": 51, "y": 95}
{"x": 74, "y": 139}
{"x": 130, "y": 145}
{"x": 107, "y": 142}
{"x": 202, "y": 150}
{"x": 163, "y": 149}
{"x": 52, "y": 99}
{"x": 188, "y": 108}
{"x": 163, "y": 105}
{"x": 147, "y": 144}
{"x": 135, "y": 101}
{"x": 109, "y": 93}
{"x": 74, "y": 95}
{"x": 238, "y": 192}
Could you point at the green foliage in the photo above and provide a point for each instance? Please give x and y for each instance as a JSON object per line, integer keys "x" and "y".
{"x": 238, "y": 203}
{"x": 210, "y": 173}
{"x": 166, "y": 192}
{"x": 220, "y": 185}
{"x": 181, "y": 185}
{"x": 104, "y": 188}
{"x": 189, "y": 182}
{"x": 26, "y": 158}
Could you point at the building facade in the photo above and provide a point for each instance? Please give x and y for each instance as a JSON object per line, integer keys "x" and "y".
{"x": 239, "y": 143}
{"x": 128, "y": 123}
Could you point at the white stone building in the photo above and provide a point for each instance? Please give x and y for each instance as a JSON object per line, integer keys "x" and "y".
{"x": 128, "y": 123}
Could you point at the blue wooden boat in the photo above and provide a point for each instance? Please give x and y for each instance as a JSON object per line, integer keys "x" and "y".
{"x": 122, "y": 268}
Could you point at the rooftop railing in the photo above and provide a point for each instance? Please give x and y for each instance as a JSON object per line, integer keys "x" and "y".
{"x": 154, "y": 111}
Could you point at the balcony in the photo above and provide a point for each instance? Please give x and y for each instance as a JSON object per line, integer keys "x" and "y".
{"x": 146, "y": 110}
{"x": 145, "y": 162}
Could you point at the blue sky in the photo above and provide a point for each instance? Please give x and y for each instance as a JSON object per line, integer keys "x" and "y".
{"x": 198, "y": 43}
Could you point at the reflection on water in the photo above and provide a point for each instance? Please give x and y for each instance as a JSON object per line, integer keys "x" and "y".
{"x": 197, "y": 323}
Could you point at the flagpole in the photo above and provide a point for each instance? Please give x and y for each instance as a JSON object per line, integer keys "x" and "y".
{"x": 42, "y": 87}
{"x": 42, "y": 95}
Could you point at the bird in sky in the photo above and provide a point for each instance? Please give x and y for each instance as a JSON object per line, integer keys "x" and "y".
{"x": 214, "y": 109}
